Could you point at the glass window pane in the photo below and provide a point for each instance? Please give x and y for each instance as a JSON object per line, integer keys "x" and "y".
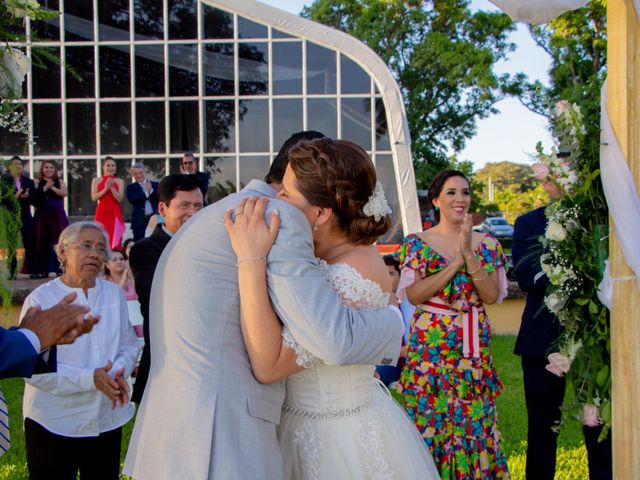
{"x": 254, "y": 126}
{"x": 148, "y": 20}
{"x": 81, "y": 128}
{"x": 183, "y": 127}
{"x": 12, "y": 143}
{"x": 48, "y": 29}
{"x": 219, "y": 118}
{"x": 78, "y": 21}
{"x": 115, "y": 127}
{"x": 253, "y": 68}
{"x": 253, "y": 167}
{"x": 150, "y": 134}
{"x": 81, "y": 84}
{"x": 223, "y": 177}
{"x": 249, "y": 29}
{"x": 79, "y": 175}
{"x": 183, "y": 21}
{"x": 149, "y": 70}
{"x": 217, "y": 66}
{"x": 115, "y": 71}
{"x": 287, "y": 119}
{"x": 321, "y": 70}
{"x": 113, "y": 20}
{"x": 353, "y": 78}
{"x": 46, "y": 77}
{"x": 279, "y": 34}
{"x": 287, "y": 68}
{"x": 174, "y": 165}
{"x": 183, "y": 70}
{"x": 387, "y": 177}
{"x": 382, "y": 131}
{"x": 356, "y": 121}
{"x": 154, "y": 168}
{"x": 217, "y": 23}
{"x": 322, "y": 116}
{"x": 47, "y": 133}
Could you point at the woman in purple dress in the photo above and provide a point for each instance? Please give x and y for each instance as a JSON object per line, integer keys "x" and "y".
{"x": 50, "y": 218}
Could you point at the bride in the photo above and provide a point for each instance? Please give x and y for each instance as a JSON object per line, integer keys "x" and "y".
{"x": 337, "y": 421}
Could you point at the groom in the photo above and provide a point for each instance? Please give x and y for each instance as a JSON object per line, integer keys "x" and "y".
{"x": 203, "y": 414}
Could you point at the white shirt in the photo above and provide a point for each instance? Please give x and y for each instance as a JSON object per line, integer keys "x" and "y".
{"x": 67, "y": 402}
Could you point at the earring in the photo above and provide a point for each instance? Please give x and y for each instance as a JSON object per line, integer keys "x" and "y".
{"x": 315, "y": 226}
{"x": 436, "y": 209}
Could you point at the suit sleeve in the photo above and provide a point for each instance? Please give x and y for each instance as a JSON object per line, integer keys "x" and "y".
{"x": 17, "y": 355}
{"x": 143, "y": 261}
{"x": 525, "y": 251}
{"x": 310, "y": 308}
{"x": 135, "y": 195}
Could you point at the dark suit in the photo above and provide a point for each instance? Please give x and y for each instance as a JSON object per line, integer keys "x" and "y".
{"x": 18, "y": 358}
{"x": 203, "y": 183}
{"x": 544, "y": 391}
{"x": 137, "y": 198}
{"x": 28, "y": 228}
{"x": 143, "y": 260}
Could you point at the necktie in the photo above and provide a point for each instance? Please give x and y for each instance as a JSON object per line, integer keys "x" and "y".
{"x": 5, "y": 439}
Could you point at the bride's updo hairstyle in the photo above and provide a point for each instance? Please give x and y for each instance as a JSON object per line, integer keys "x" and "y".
{"x": 339, "y": 174}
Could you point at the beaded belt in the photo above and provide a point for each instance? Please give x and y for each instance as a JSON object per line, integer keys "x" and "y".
{"x": 329, "y": 414}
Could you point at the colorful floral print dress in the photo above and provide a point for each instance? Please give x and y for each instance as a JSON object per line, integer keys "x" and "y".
{"x": 450, "y": 396}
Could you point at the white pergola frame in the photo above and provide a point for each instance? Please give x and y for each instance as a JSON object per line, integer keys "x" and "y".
{"x": 301, "y": 30}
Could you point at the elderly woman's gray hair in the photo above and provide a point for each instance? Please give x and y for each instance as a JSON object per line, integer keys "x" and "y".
{"x": 70, "y": 234}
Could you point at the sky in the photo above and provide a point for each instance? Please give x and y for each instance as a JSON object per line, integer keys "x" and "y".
{"x": 512, "y": 133}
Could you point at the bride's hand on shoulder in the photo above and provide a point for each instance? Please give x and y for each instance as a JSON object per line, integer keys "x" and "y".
{"x": 250, "y": 235}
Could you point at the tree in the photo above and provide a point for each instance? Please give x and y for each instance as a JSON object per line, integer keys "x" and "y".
{"x": 577, "y": 45}
{"x": 505, "y": 176}
{"x": 442, "y": 56}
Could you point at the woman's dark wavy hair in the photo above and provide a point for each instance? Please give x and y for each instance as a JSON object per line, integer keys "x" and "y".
{"x": 438, "y": 183}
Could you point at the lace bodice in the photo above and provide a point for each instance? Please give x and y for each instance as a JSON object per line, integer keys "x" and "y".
{"x": 341, "y": 389}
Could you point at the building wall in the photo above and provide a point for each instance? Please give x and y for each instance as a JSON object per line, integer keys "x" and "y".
{"x": 151, "y": 79}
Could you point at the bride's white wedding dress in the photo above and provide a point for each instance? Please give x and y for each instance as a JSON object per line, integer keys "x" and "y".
{"x": 337, "y": 421}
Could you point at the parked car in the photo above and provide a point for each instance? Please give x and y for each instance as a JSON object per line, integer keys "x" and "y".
{"x": 498, "y": 227}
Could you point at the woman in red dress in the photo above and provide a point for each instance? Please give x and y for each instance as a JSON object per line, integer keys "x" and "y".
{"x": 108, "y": 191}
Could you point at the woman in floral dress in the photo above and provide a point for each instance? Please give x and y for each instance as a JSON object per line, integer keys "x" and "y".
{"x": 449, "y": 382}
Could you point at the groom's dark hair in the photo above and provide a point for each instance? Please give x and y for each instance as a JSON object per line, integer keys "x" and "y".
{"x": 280, "y": 162}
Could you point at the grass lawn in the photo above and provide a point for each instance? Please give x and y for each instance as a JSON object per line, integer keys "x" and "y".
{"x": 572, "y": 463}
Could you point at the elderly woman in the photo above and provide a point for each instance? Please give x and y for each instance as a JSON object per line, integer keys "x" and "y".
{"x": 74, "y": 417}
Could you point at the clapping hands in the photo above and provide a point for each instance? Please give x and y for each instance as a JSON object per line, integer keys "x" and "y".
{"x": 115, "y": 388}
{"x": 464, "y": 247}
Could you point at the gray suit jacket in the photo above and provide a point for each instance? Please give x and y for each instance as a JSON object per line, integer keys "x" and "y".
{"x": 203, "y": 414}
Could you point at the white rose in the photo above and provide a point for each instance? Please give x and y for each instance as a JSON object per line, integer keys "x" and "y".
{"x": 13, "y": 68}
{"x": 553, "y": 303}
{"x": 555, "y": 232}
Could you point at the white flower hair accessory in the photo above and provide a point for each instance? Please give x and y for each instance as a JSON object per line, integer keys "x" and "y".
{"x": 377, "y": 206}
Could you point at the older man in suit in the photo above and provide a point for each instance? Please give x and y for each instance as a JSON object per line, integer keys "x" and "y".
{"x": 204, "y": 415}
{"x": 25, "y": 192}
{"x": 179, "y": 198}
{"x": 189, "y": 166}
{"x": 143, "y": 197}
{"x": 540, "y": 328}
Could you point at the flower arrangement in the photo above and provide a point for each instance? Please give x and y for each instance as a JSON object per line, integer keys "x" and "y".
{"x": 576, "y": 246}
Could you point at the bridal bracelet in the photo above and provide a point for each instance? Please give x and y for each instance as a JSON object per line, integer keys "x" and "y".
{"x": 250, "y": 259}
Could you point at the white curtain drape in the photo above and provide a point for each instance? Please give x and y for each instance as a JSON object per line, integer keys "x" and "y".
{"x": 538, "y": 11}
{"x": 622, "y": 199}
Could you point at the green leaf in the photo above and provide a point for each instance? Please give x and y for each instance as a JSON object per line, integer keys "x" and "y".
{"x": 603, "y": 375}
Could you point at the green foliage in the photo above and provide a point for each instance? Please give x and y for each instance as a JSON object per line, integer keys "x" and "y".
{"x": 577, "y": 243}
{"x": 442, "y": 56}
{"x": 513, "y": 204}
{"x": 10, "y": 223}
{"x": 577, "y": 45}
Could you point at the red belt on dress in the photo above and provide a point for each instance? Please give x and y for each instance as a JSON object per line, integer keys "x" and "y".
{"x": 470, "y": 335}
